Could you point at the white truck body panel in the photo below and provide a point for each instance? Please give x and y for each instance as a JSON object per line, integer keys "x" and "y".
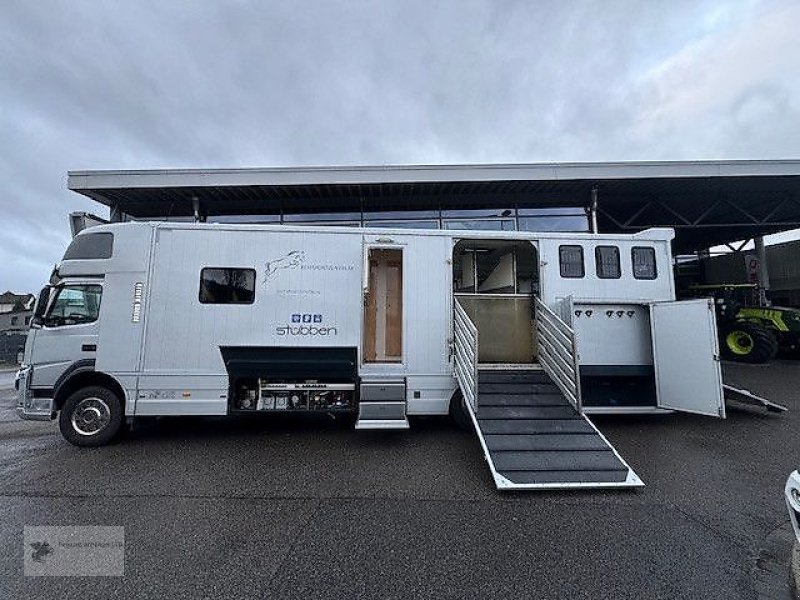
{"x": 168, "y": 359}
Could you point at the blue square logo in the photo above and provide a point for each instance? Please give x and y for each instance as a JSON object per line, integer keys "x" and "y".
{"x": 317, "y": 318}
{"x": 295, "y": 318}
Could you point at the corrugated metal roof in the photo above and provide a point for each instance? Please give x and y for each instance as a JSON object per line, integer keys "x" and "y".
{"x": 708, "y": 202}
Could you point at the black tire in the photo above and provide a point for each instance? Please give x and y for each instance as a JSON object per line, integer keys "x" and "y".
{"x": 458, "y": 412}
{"x": 789, "y": 345}
{"x": 748, "y": 342}
{"x": 92, "y": 416}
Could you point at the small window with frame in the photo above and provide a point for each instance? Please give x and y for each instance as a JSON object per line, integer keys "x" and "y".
{"x": 227, "y": 285}
{"x": 643, "y": 259}
{"x": 570, "y": 262}
{"x": 606, "y": 259}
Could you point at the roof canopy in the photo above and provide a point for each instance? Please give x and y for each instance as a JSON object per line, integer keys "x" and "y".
{"x": 707, "y": 202}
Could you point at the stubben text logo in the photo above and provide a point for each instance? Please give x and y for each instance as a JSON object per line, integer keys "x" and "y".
{"x": 296, "y": 259}
{"x": 306, "y": 325}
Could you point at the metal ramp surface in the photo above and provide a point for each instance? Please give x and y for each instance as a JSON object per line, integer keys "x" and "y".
{"x": 533, "y": 438}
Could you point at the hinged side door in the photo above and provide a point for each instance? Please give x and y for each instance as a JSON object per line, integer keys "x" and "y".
{"x": 686, "y": 357}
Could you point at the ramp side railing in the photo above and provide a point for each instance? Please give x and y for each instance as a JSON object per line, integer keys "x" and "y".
{"x": 465, "y": 342}
{"x": 558, "y": 352}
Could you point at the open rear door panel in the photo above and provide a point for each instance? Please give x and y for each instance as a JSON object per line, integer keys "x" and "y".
{"x": 686, "y": 357}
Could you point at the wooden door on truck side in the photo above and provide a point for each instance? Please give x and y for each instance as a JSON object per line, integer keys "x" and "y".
{"x": 383, "y": 306}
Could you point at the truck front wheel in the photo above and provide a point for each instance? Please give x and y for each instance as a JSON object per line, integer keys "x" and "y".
{"x": 91, "y": 416}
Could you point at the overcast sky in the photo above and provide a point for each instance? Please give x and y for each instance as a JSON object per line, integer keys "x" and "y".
{"x": 131, "y": 84}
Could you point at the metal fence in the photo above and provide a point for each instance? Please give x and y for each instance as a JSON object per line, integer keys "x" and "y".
{"x": 466, "y": 354}
{"x": 558, "y": 353}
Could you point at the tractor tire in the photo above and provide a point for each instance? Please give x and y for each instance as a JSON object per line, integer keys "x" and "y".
{"x": 789, "y": 345}
{"x": 747, "y": 342}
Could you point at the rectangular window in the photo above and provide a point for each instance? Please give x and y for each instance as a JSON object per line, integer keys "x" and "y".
{"x": 403, "y": 224}
{"x": 74, "y": 305}
{"x": 323, "y": 218}
{"x": 478, "y": 213}
{"x": 644, "y": 263}
{"x": 606, "y": 260}
{"x": 570, "y": 260}
{"x": 480, "y": 224}
{"x": 227, "y": 286}
{"x": 553, "y": 223}
{"x": 90, "y": 245}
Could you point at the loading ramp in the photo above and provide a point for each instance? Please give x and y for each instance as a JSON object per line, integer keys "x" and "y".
{"x": 533, "y": 438}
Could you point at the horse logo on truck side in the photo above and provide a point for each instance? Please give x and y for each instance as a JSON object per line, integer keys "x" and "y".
{"x": 292, "y": 260}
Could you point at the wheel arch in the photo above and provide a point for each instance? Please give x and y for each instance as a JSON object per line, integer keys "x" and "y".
{"x": 82, "y": 377}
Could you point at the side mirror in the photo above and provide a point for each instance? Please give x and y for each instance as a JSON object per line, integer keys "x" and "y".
{"x": 41, "y": 307}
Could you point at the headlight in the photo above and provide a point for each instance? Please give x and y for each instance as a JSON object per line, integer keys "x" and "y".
{"x": 792, "y": 495}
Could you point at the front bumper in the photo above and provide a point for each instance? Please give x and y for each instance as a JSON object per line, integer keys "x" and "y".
{"x": 30, "y": 407}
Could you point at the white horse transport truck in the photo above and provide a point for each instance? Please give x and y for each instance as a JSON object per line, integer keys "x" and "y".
{"x": 518, "y": 335}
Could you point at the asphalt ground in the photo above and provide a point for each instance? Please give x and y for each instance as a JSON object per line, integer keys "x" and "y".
{"x": 310, "y": 508}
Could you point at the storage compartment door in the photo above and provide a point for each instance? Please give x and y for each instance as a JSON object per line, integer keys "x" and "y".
{"x": 686, "y": 357}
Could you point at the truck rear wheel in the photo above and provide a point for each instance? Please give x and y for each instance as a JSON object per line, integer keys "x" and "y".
{"x": 748, "y": 342}
{"x": 458, "y": 411}
{"x": 91, "y": 416}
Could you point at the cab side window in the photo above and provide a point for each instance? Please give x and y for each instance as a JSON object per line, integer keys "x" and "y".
{"x": 74, "y": 305}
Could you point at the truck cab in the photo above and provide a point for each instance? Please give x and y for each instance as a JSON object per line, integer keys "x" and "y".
{"x": 60, "y": 357}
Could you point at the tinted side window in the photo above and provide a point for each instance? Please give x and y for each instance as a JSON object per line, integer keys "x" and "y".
{"x": 90, "y": 245}
{"x": 570, "y": 260}
{"x": 227, "y": 286}
{"x": 644, "y": 263}
{"x": 606, "y": 260}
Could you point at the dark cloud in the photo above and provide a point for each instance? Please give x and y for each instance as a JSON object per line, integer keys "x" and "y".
{"x": 88, "y": 85}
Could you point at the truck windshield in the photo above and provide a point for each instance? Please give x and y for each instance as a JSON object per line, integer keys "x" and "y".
{"x": 74, "y": 304}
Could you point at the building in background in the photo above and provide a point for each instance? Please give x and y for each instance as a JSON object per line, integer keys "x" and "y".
{"x": 783, "y": 266}
{"x": 16, "y": 311}
{"x": 9, "y": 301}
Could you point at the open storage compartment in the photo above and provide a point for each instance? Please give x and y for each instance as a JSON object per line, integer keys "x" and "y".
{"x": 264, "y": 379}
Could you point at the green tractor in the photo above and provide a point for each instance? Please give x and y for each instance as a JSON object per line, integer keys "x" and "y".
{"x": 749, "y": 332}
